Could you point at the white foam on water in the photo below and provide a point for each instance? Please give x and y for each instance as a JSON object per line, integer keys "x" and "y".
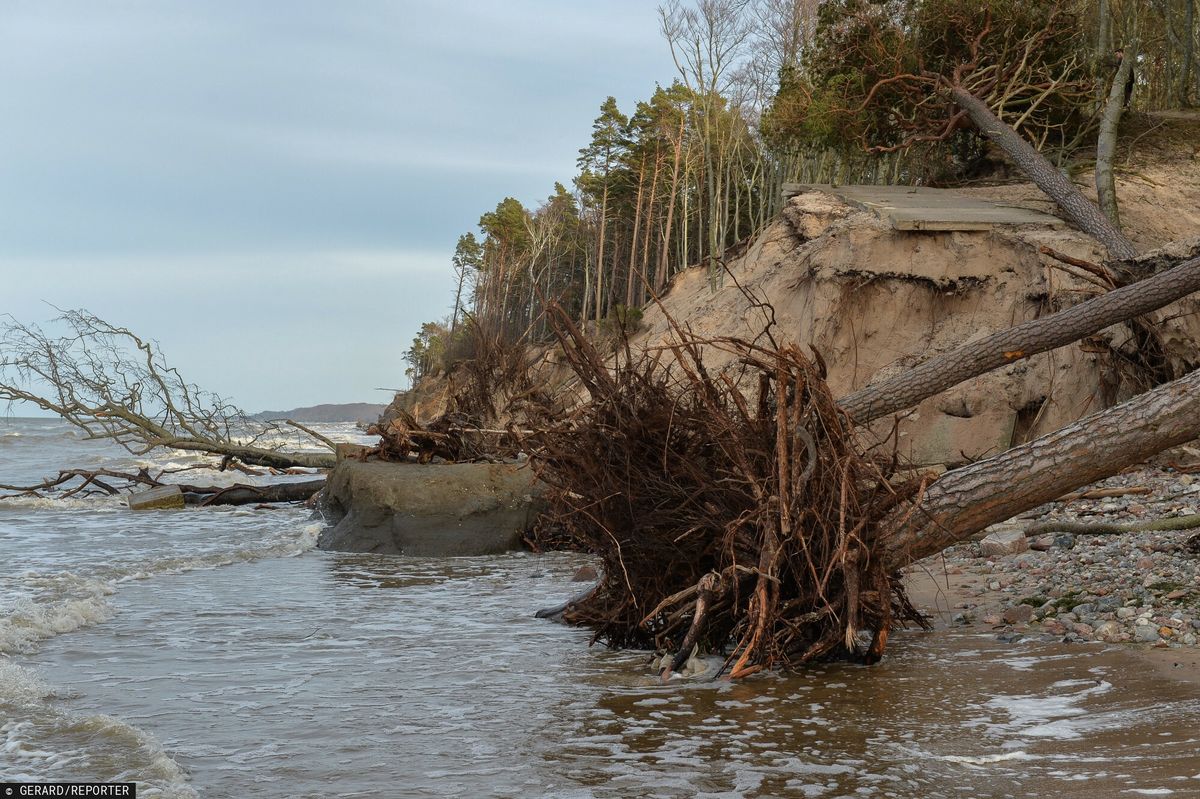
{"x": 48, "y": 744}
{"x": 983, "y": 760}
{"x": 91, "y": 504}
{"x": 1049, "y": 716}
{"x": 19, "y": 685}
{"x": 71, "y": 602}
{"x": 1149, "y": 791}
{"x": 26, "y": 622}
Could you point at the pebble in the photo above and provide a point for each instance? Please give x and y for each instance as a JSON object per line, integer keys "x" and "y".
{"x": 1145, "y": 634}
{"x": 1136, "y": 586}
{"x": 1018, "y": 614}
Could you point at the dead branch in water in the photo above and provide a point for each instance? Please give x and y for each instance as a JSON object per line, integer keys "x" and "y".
{"x": 109, "y": 482}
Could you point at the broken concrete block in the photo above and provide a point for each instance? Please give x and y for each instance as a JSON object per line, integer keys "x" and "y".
{"x": 1003, "y": 542}
{"x": 156, "y": 498}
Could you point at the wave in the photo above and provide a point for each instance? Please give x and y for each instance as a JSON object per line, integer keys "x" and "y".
{"x": 94, "y": 503}
{"x": 41, "y": 742}
{"x": 287, "y": 548}
{"x": 70, "y": 602}
{"x": 28, "y": 622}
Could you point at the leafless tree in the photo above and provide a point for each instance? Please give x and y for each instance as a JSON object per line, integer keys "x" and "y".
{"x": 116, "y": 386}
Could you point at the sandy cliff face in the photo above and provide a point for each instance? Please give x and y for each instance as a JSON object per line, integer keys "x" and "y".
{"x": 873, "y": 300}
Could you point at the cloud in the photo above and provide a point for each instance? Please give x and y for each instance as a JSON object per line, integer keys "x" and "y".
{"x": 274, "y": 190}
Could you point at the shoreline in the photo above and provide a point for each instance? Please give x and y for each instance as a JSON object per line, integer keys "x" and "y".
{"x": 1135, "y": 592}
{"x": 942, "y": 595}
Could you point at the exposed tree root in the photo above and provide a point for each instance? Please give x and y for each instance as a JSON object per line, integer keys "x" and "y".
{"x": 742, "y": 521}
{"x": 494, "y": 382}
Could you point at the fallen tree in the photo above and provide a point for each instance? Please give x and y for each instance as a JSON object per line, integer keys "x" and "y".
{"x": 110, "y": 482}
{"x": 115, "y": 386}
{"x": 964, "y": 501}
{"x": 740, "y": 511}
{"x": 720, "y": 514}
{"x": 1022, "y": 341}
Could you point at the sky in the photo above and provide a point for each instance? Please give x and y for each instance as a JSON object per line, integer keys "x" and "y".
{"x": 273, "y": 190}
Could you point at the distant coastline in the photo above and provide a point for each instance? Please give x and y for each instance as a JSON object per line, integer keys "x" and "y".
{"x": 346, "y": 412}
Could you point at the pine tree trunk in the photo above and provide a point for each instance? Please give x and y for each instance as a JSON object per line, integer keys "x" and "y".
{"x": 1106, "y": 144}
{"x": 661, "y": 273}
{"x": 633, "y": 244}
{"x": 1189, "y": 53}
{"x": 966, "y": 500}
{"x": 1026, "y": 339}
{"x": 1045, "y": 175}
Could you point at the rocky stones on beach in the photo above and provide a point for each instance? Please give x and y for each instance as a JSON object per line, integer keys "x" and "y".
{"x": 1018, "y": 614}
{"x": 1138, "y": 586}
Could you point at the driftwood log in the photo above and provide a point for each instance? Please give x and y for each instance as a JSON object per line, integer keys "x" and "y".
{"x": 108, "y": 482}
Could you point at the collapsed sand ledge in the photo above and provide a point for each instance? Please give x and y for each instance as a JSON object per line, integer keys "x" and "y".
{"x": 873, "y": 301}
{"x": 433, "y": 510}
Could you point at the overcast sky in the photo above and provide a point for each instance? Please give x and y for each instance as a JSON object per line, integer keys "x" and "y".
{"x": 273, "y": 190}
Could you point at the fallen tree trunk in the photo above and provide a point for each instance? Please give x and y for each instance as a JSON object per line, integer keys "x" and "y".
{"x": 1045, "y": 175}
{"x": 244, "y": 494}
{"x": 964, "y": 501}
{"x": 107, "y": 482}
{"x": 1106, "y": 143}
{"x": 1189, "y": 522}
{"x": 255, "y": 456}
{"x": 1016, "y": 343}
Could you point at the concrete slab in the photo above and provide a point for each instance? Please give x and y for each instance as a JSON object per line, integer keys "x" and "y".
{"x": 923, "y": 208}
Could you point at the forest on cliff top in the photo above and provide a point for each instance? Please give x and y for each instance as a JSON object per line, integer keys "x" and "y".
{"x": 776, "y": 91}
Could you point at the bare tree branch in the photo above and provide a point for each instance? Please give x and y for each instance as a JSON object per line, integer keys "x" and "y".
{"x": 114, "y": 385}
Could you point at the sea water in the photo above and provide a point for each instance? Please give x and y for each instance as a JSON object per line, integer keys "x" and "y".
{"x": 217, "y": 653}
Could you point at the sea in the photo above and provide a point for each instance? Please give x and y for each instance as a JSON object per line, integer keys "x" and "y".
{"x": 218, "y": 653}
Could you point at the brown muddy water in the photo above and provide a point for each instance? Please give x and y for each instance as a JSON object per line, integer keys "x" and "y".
{"x": 218, "y": 655}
